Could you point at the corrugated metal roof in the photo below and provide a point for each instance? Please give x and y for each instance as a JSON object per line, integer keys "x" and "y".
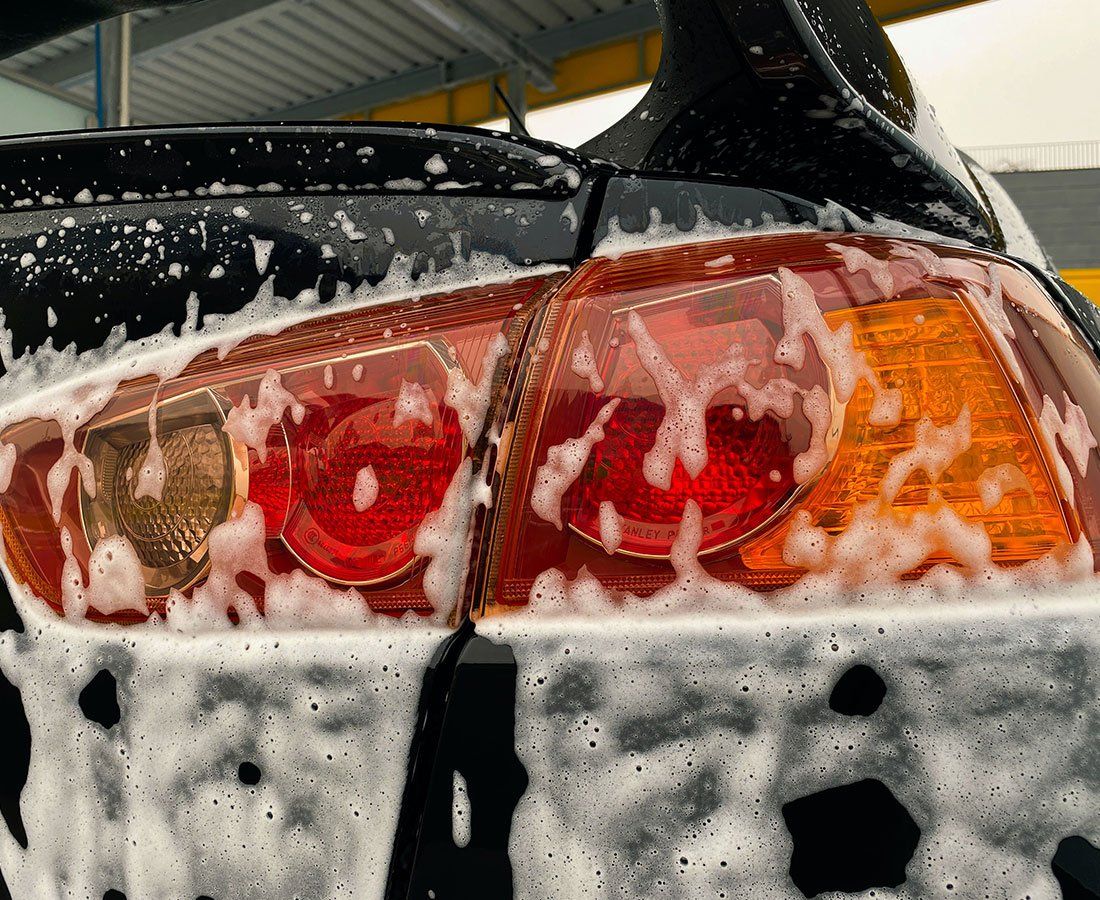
{"x": 249, "y": 59}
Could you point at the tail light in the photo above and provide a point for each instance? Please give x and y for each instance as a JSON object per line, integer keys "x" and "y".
{"x": 777, "y": 405}
{"x": 336, "y": 440}
{"x": 740, "y": 412}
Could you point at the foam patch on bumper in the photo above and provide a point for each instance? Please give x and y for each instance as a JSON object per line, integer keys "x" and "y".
{"x": 663, "y": 751}
{"x": 243, "y": 763}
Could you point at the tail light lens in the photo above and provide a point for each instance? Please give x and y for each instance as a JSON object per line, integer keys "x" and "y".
{"x": 788, "y": 390}
{"x": 744, "y": 410}
{"x": 345, "y": 433}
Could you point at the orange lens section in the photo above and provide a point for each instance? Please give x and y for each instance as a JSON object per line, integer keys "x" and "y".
{"x": 933, "y": 351}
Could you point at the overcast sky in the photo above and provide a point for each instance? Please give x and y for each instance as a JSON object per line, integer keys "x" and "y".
{"x": 1009, "y": 71}
{"x": 1000, "y": 72}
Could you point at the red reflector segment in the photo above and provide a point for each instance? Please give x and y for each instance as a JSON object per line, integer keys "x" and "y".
{"x": 351, "y": 429}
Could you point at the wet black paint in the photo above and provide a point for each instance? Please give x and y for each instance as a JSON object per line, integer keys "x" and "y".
{"x": 466, "y": 723}
{"x": 99, "y": 700}
{"x": 858, "y": 692}
{"x": 850, "y": 838}
{"x": 1076, "y": 865}
{"x": 15, "y": 758}
{"x": 249, "y": 773}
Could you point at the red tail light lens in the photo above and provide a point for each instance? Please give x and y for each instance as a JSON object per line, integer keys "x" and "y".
{"x": 350, "y": 429}
{"x": 743, "y": 411}
{"x": 778, "y": 382}
{"x": 346, "y": 432}
{"x": 682, "y": 428}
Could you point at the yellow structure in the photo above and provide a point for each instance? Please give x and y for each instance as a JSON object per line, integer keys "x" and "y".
{"x": 1087, "y": 281}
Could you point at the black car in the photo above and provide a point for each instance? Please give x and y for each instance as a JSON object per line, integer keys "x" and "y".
{"x": 411, "y": 511}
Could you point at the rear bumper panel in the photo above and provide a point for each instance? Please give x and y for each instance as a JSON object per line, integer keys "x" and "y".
{"x": 158, "y": 805}
{"x": 662, "y": 752}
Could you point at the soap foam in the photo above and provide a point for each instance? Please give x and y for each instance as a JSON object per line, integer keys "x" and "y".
{"x": 583, "y": 364}
{"x": 847, "y": 366}
{"x": 859, "y": 260}
{"x": 250, "y": 422}
{"x": 564, "y": 463}
{"x": 998, "y": 482}
{"x": 412, "y": 405}
{"x": 365, "y": 493}
{"x": 611, "y": 526}
{"x": 152, "y": 473}
{"x": 471, "y": 399}
{"x": 154, "y": 807}
{"x": 1075, "y": 434}
{"x": 688, "y": 734}
{"x": 115, "y": 579}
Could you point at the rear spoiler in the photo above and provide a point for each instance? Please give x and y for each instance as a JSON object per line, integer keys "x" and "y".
{"x": 30, "y": 24}
{"x": 803, "y": 96}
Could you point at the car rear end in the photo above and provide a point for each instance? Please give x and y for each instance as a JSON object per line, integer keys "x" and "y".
{"x": 409, "y": 511}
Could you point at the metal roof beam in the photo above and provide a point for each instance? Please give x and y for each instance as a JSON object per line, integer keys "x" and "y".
{"x": 157, "y": 36}
{"x": 625, "y": 22}
{"x": 9, "y": 74}
{"x": 488, "y": 38}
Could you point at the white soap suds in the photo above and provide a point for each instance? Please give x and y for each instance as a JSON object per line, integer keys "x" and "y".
{"x": 365, "y": 493}
{"x": 262, "y": 251}
{"x": 348, "y": 227}
{"x": 997, "y": 483}
{"x": 152, "y": 474}
{"x": 57, "y": 479}
{"x": 802, "y": 316}
{"x": 115, "y": 580}
{"x": 435, "y": 165}
{"x": 49, "y": 383}
{"x": 682, "y": 433}
{"x": 293, "y": 600}
{"x": 154, "y": 806}
{"x": 471, "y": 399}
{"x": 443, "y": 537}
{"x": 404, "y": 184}
{"x": 990, "y": 306}
{"x": 8, "y": 455}
{"x": 460, "y": 811}
{"x": 932, "y": 265}
{"x": 934, "y": 449}
{"x": 584, "y": 363}
{"x": 412, "y": 405}
{"x": 611, "y": 527}
{"x": 686, "y": 736}
{"x": 249, "y": 423}
{"x": 858, "y": 260}
{"x": 1075, "y": 435}
{"x": 563, "y": 464}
